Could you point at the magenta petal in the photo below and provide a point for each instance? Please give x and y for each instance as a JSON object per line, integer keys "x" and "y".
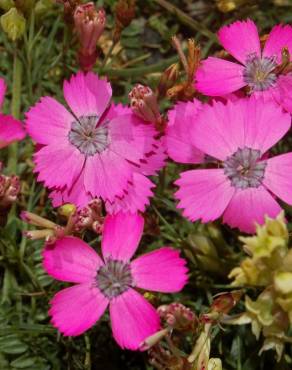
{"x": 87, "y": 94}
{"x": 217, "y": 77}
{"x": 106, "y": 175}
{"x": 121, "y": 235}
{"x": 58, "y": 165}
{"x": 279, "y": 37}
{"x": 284, "y": 90}
{"x": 203, "y": 194}
{"x": 136, "y": 196}
{"x": 161, "y": 270}
{"x": 240, "y": 39}
{"x": 76, "y": 194}
{"x": 76, "y": 309}
{"x": 48, "y": 121}
{"x": 2, "y": 91}
{"x": 261, "y": 132}
{"x": 155, "y": 159}
{"x": 71, "y": 259}
{"x": 133, "y": 319}
{"x": 220, "y": 129}
{"x": 278, "y": 176}
{"x": 10, "y": 130}
{"x": 182, "y": 119}
{"x": 130, "y": 138}
{"x": 250, "y": 206}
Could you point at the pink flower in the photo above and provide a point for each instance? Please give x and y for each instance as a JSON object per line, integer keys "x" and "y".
{"x": 181, "y": 121}
{"x": 11, "y": 130}
{"x": 245, "y": 182}
{"x": 94, "y": 149}
{"x": 111, "y": 281}
{"x": 257, "y": 69}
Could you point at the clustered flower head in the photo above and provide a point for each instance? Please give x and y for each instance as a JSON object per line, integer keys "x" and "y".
{"x": 269, "y": 267}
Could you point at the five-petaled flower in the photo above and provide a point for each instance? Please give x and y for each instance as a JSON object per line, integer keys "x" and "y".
{"x": 95, "y": 149}
{"x": 263, "y": 71}
{"x": 245, "y": 182}
{"x": 110, "y": 281}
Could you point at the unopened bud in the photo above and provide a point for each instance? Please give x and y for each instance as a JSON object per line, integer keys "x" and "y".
{"x": 13, "y": 24}
{"x": 89, "y": 25}
{"x": 153, "y": 339}
{"x": 144, "y": 103}
{"x": 66, "y": 210}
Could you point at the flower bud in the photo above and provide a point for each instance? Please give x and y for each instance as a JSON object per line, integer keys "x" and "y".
{"x": 214, "y": 364}
{"x": 124, "y": 14}
{"x": 67, "y": 210}
{"x": 144, "y": 103}
{"x": 89, "y": 25}
{"x": 13, "y": 24}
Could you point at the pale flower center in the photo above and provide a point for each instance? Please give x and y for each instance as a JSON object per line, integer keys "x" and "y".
{"x": 114, "y": 278}
{"x": 259, "y": 72}
{"x": 244, "y": 169}
{"x": 88, "y": 137}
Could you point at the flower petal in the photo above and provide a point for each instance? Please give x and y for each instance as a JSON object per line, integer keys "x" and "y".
{"x": 3, "y": 88}
{"x": 240, "y": 39}
{"x": 121, "y": 235}
{"x": 182, "y": 119}
{"x": 130, "y": 138}
{"x": 76, "y": 194}
{"x": 71, "y": 259}
{"x": 284, "y": 88}
{"x": 261, "y": 132}
{"x": 203, "y": 194}
{"x": 87, "y": 94}
{"x": 106, "y": 175}
{"x": 136, "y": 196}
{"x": 48, "y": 121}
{"x": 58, "y": 165}
{"x": 278, "y": 176}
{"x": 76, "y": 309}
{"x": 220, "y": 129}
{"x": 217, "y": 77}
{"x": 133, "y": 319}
{"x": 250, "y": 206}
{"x": 10, "y": 130}
{"x": 161, "y": 270}
{"x": 279, "y": 37}
{"x": 154, "y": 160}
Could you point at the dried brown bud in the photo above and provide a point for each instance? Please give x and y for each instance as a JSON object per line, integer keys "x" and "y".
{"x": 124, "y": 14}
{"x": 89, "y": 25}
{"x": 69, "y": 8}
{"x": 224, "y": 302}
{"x": 168, "y": 79}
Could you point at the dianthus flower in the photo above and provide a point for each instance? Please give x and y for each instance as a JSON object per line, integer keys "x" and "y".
{"x": 264, "y": 71}
{"x": 95, "y": 149}
{"x": 110, "y": 281}
{"x": 10, "y": 129}
{"x": 244, "y": 183}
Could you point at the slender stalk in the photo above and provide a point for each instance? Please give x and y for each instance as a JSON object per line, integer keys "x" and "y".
{"x": 15, "y": 109}
{"x": 187, "y": 20}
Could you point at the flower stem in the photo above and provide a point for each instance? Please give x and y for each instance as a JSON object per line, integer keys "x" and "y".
{"x": 15, "y": 110}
